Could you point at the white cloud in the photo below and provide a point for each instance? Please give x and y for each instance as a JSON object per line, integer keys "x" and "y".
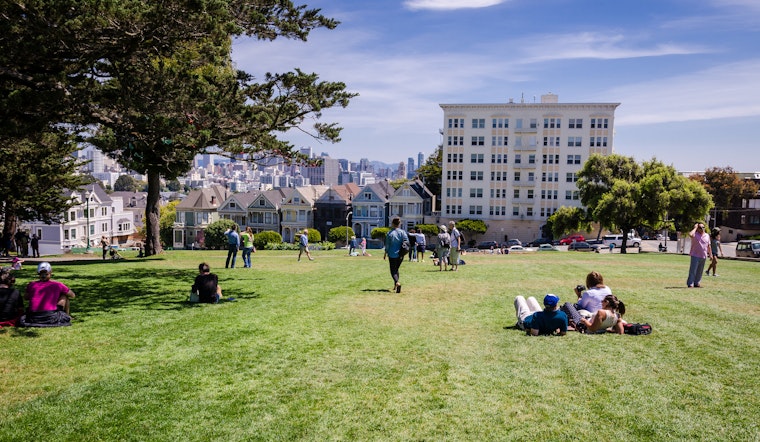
{"x": 726, "y": 91}
{"x": 597, "y": 46}
{"x": 450, "y": 4}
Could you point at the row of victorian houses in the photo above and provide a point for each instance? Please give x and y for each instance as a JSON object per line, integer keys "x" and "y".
{"x": 117, "y": 217}
{"x": 289, "y": 210}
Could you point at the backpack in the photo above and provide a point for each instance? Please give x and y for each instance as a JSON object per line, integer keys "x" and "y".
{"x": 637, "y": 329}
{"x": 405, "y": 246}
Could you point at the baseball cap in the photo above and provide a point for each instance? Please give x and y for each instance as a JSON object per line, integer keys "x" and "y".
{"x": 44, "y": 267}
{"x": 551, "y": 300}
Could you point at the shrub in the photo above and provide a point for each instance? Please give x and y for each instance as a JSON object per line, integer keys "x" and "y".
{"x": 338, "y": 234}
{"x": 214, "y": 234}
{"x": 380, "y": 233}
{"x": 261, "y": 240}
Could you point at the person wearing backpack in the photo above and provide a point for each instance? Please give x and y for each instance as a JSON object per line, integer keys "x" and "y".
{"x": 393, "y": 241}
{"x": 444, "y": 245}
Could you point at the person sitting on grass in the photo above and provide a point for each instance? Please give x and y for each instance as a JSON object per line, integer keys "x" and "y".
{"x": 535, "y": 321}
{"x": 207, "y": 285}
{"x": 48, "y": 301}
{"x": 606, "y": 318}
{"x": 11, "y": 302}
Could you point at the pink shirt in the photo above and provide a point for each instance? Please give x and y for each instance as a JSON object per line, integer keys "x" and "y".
{"x": 43, "y": 296}
{"x": 699, "y": 245}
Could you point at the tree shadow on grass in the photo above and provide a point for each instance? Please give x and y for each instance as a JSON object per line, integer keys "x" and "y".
{"x": 148, "y": 289}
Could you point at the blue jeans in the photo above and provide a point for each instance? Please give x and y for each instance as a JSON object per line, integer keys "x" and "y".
{"x": 247, "y": 256}
{"x": 232, "y": 253}
{"x": 696, "y": 267}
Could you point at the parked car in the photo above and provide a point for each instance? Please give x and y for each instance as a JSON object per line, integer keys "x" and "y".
{"x": 748, "y": 248}
{"x": 517, "y": 249}
{"x": 538, "y": 241}
{"x": 487, "y": 245}
{"x": 583, "y": 246}
{"x": 572, "y": 238}
{"x": 616, "y": 240}
{"x": 547, "y": 248}
{"x": 514, "y": 242}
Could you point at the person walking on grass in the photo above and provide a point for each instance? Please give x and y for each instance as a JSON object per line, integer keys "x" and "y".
{"x": 456, "y": 246}
{"x": 699, "y": 252}
{"x": 420, "y": 246}
{"x": 303, "y": 245}
{"x": 246, "y": 238}
{"x": 715, "y": 248}
{"x": 393, "y": 242}
{"x": 233, "y": 245}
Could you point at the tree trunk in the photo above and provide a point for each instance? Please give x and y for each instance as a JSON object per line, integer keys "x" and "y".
{"x": 152, "y": 215}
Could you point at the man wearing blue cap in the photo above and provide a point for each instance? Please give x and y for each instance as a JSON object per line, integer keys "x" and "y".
{"x": 548, "y": 321}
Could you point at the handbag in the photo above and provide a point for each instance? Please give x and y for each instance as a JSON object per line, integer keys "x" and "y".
{"x": 194, "y": 297}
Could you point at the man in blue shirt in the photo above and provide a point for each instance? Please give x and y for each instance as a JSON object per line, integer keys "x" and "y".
{"x": 233, "y": 244}
{"x": 393, "y": 242}
{"x": 548, "y": 321}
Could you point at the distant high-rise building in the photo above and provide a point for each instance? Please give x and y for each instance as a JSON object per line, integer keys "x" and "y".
{"x": 515, "y": 164}
{"x": 410, "y": 169}
{"x": 401, "y": 170}
{"x": 420, "y": 159}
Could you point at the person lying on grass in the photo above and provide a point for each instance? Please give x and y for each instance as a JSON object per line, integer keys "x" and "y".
{"x": 606, "y": 318}
{"x": 548, "y": 321}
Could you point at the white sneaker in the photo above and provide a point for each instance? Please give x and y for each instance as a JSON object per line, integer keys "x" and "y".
{"x": 715, "y": 274}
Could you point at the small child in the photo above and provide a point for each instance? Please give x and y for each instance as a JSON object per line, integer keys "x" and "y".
{"x": 16, "y": 263}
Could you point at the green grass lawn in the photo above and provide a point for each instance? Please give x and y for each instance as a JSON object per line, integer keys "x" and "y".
{"x": 323, "y": 350}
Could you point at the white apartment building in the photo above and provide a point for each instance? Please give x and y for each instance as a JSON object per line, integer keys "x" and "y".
{"x": 513, "y": 165}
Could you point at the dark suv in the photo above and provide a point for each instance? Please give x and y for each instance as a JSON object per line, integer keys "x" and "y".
{"x": 487, "y": 245}
{"x": 538, "y": 241}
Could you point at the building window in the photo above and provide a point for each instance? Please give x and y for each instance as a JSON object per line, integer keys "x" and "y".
{"x": 516, "y": 193}
{"x": 456, "y": 123}
{"x": 476, "y": 158}
{"x": 571, "y": 177}
{"x": 500, "y": 123}
{"x": 599, "y": 123}
{"x": 573, "y": 159}
{"x": 476, "y": 175}
{"x": 552, "y": 123}
{"x": 533, "y": 123}
{"x": 515, "y": 211}
{"x": 529, "y": 211}
{"x": 476, "y": 193}
{"x": 478, "y": 123}
{"x": 574, "y": 141}
{"x": 532, "y": 159}
{"x": 531, "y": 177}
{"x": 478, "y": 141}
{"x": 518, "y": 158}
{"x": 575, "y": 123}
{"x": 73, "y": 215}
{"x": 517, "y": 176}
{"x": 476, "y": 210}
{"x": 73, "y": 233}
{"x": 530, "y": 194}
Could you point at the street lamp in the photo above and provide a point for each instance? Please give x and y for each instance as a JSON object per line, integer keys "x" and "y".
{"x": 87, "y": 217}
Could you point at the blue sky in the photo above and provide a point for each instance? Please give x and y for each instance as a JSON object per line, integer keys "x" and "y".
{"x": 686, "y": 72}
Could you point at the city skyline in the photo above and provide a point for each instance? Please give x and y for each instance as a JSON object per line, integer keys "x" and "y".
{"x": 684, "y": 72}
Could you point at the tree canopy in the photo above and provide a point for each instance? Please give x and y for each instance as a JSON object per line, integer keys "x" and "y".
{"x": 152, "y": 84}
{"x": 620, "y": 194}
{"x": 726, "y": 188}
{"x": 431, "y": 172}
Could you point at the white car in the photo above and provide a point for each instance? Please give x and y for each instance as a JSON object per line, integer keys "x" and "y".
{"x": 616, "y": 240}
